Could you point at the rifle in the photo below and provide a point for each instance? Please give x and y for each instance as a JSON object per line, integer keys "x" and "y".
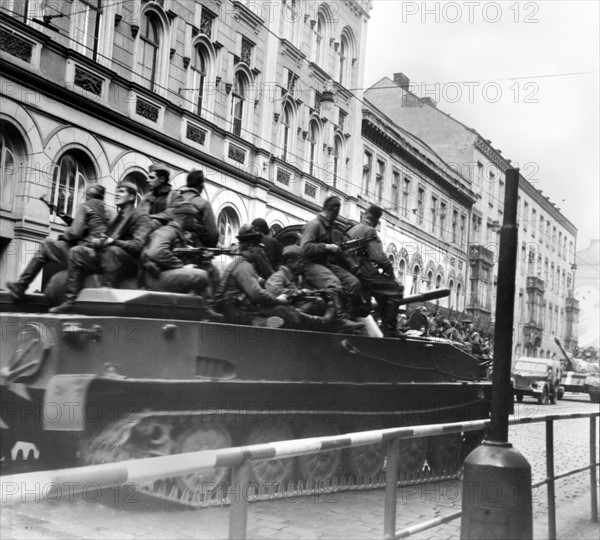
{"x": 355, "y": 244}
{"x": 203, "y": 252}
{"x": 53, "y": 208}
{"x": 309, "y": 294}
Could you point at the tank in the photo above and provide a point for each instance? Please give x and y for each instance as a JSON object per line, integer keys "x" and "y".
{"x": 136, "y": 374}
{"x": 578, "y": 375}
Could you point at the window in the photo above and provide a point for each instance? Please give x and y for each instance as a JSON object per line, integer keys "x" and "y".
{"x": 291, "y": 20}
{"x": 396, "y": 190}
{"x": 8, "y": 165}
{"x": 553, "y": 238}
{"x": 463, "y": 224}
{"x": 405, "y": 197}
{"x": 198, "y": 78}
{"x": 525, "y": 215}
{"x": 313, "y": 145}
{"x": 416, "y": 284}
{"x": 458, "y": 296}
{"x": 443, "y": 210}
{"x": 86, "y": 26}
{"x": 434, "y": 209}
{"x": 72, "y": 174}
{"x": 541, "y": 228}
{"x": 479, "y": 173}
{"x": 454, "y": 226}
{"x": 420, "y": 205}
{"x": 286, "y": 130}
{"x": 559, "y": 244}
{"x": 228, "y": 224}
{"x": 501, "y": 197}
{"x": 238, "y": 97}
{"x": 344, "y": 48}
{"x": 533, "y": 222}
{"x": 401, "y": 271}
{"x": 429, "y": 280}
{"x": 337, "y": 159}
{"x": 367, "y": 164}
{"x": 150, "y": 46}
{"x": 379, "y": 180}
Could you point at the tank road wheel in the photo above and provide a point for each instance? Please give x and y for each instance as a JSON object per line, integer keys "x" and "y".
{"x": 270, "y": 472}
{"x": 413, "y": 453}
{"x": 202, "y": 437}
{"x": 445, "y": 453}
{"x": 322, "y": 466}
{"x": 365, "y": 461}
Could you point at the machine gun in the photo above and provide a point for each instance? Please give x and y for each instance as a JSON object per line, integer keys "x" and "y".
{"x": 53, "y": 208}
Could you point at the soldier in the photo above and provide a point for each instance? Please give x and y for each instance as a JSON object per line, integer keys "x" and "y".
{"x": 243, "y": 300}
{"x": 471, "y": 337}
{"x": 88, "y": 229}
{"x": 118, "y": 258}
{"x": 322, "y": 273}
{"x": 287, "y": 281}
{"x": 272, "y": 247}
{"x": 161, "y": 198}
{"x": 418, "y": 320}
{"x": 206, "y": 234}
{"x": 383, "y": 286}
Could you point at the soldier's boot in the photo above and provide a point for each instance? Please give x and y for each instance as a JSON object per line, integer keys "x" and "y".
{"x": 18, "y": 288}
{"x": 318, "y": 324}
{"x": 207, "y": 312}
{"x": 75, "y": 279}
{"x": 342, "y": 323}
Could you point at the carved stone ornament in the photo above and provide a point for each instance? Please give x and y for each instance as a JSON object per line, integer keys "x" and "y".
{"x": 186, "y": 62}
{"x": 134, "y": 30}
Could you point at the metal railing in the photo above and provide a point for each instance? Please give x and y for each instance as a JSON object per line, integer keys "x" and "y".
{"x": 15, "y": 488}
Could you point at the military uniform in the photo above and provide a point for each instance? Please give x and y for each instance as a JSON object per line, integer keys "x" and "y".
{"x": 383, "y": 286}
{"x": 285, "y": 282}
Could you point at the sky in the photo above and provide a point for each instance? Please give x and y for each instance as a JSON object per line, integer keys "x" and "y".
{"x": 487, "y": 64}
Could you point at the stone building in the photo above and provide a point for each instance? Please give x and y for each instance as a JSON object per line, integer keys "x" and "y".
{"x": 544, "y": 307}
{"x": 255, "y": 94}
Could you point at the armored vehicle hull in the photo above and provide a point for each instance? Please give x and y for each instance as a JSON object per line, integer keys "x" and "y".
{"x": 135, "y": 375}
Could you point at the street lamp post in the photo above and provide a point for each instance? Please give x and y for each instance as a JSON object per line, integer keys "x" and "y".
{"x": 497, "y": 478}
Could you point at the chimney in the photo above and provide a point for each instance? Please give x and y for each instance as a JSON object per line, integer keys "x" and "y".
{"x": 401, "y": 80}
{"x": 429, "y": 102}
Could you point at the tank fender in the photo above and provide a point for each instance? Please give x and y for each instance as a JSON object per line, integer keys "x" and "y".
{"x": 66, "y": 406}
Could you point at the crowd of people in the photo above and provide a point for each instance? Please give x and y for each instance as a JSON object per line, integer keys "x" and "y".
{"x": 461, "y": 331}
{"x": 317, "y": 284}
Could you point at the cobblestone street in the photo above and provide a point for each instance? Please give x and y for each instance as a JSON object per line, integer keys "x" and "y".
{"x": 343, "y": 515}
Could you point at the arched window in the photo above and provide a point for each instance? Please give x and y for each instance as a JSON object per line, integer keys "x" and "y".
{"x": 72, "y": 173}
{"x": 451, "y": 295}
{"x": 458, "y": 296}
{"x": 416, "y": 285}
{"x": 228, "y": 224}
{"x": 338, "y": 148}
{"x": 199, "y": 66}
{"x": 9, "y": 164}
{"x": 401, "y": 271}
{"x": 319, "y": 38}
{"x": 438, "y": 281}
{"x": 237, "y": 103}
{"x": 150, "y": 37}
{"x": 313, "y": 146}
{"x": 429, "y": 280}
{"x": 342, "y": 61}
{"x": 286, "y": 131}
{"x": 141, "y": 181}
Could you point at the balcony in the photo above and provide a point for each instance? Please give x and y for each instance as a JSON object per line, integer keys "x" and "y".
{"x": 534, "y": 283}
{"x": 481, "y": 253}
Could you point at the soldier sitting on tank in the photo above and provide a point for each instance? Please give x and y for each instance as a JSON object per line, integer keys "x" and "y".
{"x": 419, "y": 321}
{"x": 118, "y": 257}
{"x": 287, "y": 280}
{"x": 243, "y": 300}
{"x": 161, "y": 198}
{"x": 88, "y": 229}
{"x": 272, "y": 247}
{"x": 322, "y": 270}
{"x": 471, "y": 338}
{"x": 376, "y": 272}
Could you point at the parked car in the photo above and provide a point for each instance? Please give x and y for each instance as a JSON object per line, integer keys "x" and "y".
{"x": 536, "y": 377}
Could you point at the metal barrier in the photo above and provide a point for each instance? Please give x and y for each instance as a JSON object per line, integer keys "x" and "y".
{"x": 16, "y": 488}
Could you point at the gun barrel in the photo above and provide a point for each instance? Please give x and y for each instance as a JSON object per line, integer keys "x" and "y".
{"x": 423, "y": 297}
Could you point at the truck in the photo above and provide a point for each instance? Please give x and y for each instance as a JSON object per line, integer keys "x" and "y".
{"x": 536, "y": 377}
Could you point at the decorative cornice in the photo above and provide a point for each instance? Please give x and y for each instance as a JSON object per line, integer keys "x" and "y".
{"x": 290, "y": 50}
{"x": 246, "y": 15}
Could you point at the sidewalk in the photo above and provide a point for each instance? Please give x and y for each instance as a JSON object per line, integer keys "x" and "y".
{"x": 573, "y": 521}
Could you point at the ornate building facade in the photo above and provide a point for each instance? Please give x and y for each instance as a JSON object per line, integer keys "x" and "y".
{"x": 544, "y": 306}
{"x": 255, "y": 94}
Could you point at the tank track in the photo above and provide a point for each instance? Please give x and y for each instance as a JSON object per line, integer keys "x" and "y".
{"x": 155, "y": 433}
